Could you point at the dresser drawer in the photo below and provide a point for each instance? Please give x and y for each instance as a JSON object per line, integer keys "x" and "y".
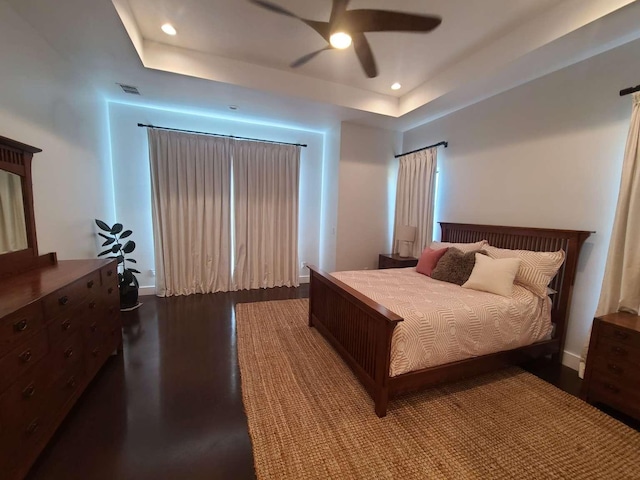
{"x": 614, "y": 350}
{"x": 27, "y": 398}
{"x": 68, "y": 298}
{"x": 67, "y": 353}
{"x": 109, "y": 275}
{"x": 67, "y": 384}
{"x": 617, "y": 369}
{"x": 620, "y": 335}
{"x": 22, "y": 358}
{"x": 616, "y": 393}
{"x": 19, "y": 326}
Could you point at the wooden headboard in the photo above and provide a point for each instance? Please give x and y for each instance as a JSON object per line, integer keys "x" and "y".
{"x": 537, "y": 240}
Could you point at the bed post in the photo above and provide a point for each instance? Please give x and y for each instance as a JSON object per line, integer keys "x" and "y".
{"x": 383, "y": 362}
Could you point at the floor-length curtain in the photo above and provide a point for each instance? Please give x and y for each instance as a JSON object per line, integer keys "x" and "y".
{"x": 621, "y": 284}
{"x": 415, "y": 196}
{"x": 265, "y": 182}
{"x": 13, "y": 228}
{"x": 191, "y": 200}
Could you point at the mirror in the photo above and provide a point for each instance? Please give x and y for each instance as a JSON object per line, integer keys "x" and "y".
{"x": 13, "y": 225}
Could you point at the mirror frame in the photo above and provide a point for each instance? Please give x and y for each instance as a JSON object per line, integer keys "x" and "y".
{"x": 16, "y": 157}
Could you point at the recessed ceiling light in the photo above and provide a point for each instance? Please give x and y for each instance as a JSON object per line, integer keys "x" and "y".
{"x": 233, "y": 107}
{"x": 340, "y": 40}
{"x": 396, "y": 86}
{"x": 168, "y": 29}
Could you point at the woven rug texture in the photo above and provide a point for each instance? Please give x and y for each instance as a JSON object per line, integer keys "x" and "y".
{"x": 309, "y": 417}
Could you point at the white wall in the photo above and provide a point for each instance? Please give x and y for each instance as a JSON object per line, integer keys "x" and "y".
{"x": 545, "y": 154}
{"x": 366, "y": 194}
{"x": 45, "y": 104}
{"x": 132, "y": 185}
{"x": 330, "y": 191}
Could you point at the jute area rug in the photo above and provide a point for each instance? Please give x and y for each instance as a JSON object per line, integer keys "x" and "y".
{"x": 310, "y": 418}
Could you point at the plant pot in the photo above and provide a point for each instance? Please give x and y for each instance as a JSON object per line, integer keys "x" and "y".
{"x": 128, "y": 296}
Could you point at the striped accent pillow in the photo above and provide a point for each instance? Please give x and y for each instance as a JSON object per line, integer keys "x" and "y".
{"x": 463, "y": 247}
{"x": 537, "y": 269}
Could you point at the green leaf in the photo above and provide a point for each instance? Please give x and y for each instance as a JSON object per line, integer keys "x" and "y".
{"x": 120, "y": 259}
{"x": 103, "y": 226}
{"x": 129, "y": 246}
{"x": 103, "y": 235}
{"x": 104, "y": 253}
{"x": 108, "y": 242}
{"x": 126, "y": 234}
{"x": 117, "y": 228}
{"x": 132, "y": 260}
{"x": 132, "y": 270}
{"x": 116, "y": 248}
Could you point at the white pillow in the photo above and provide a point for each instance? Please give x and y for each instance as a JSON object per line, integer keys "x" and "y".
{"x": 463, "y": 247}
{"x": 493, "y": 275}
{"x": 536, "y": 270}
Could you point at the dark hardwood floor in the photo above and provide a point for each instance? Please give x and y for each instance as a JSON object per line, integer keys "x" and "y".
{"x": 170, "y": 407}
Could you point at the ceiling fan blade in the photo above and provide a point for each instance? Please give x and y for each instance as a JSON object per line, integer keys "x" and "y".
{"x": 388, "y": 21}
{"x": 322, "y": 28}
{"x": 364, "y": 53}
{"x": 304, "y": 59}
{"x": 274, "y": 8}
{"x": 338, "y": 9}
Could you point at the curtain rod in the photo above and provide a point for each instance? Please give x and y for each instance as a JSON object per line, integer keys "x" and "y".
{"x": 629, "y": 91}
{"x": 444, "y": 144}
{"x": 221, "y": 135}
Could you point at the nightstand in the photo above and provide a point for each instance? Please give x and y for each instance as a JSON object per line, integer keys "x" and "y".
{"x": 393, "y": 260}
{"x": 612, "y": 375}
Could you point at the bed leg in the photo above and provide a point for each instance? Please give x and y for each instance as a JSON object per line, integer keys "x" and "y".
{"x": 381, "y": 401}
{"x": 556, "y": 358}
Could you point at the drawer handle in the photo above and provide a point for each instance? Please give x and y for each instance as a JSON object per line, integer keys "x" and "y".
{"x": 112, "y": 310}
{"x": 618, "y": 350}
{"x": 21, "y": 326}
{"x": 71, "y": 382}
{"x": 110, "y": 290}
{"x": 90, "y": 284}
{"x": 25, "y": 356}
{"x": 93, "y": 327}
{"x": 63, "y": 300}
{"x": 620, "y": 334}
{"x": 29, "y": 391}
{"x": 33, "y": 427}
{"x": 95, "y": 352}
{"x": 92, "y": 305}
{"x": 66, "y": 325}
{"x": 612, "y": 388}
{"x": 614, "y": 368}
{"x": 68, "y": 353}
{"x": 109, "y": 273}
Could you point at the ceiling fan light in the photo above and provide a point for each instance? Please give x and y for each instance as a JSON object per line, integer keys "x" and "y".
{"x": 340, "y": 40}
{"x": 168, "y": 29}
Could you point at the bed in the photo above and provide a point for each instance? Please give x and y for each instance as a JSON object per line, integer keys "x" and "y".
{"x": 361, "y": 329}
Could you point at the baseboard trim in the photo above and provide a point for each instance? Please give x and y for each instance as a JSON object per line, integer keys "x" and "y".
{"x": 142, "y": 291}
{"x": 571, "y": 360}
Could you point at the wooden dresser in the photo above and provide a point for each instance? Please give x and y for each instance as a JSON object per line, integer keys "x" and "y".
{"x": 612, "y": 375}
{"x": 58, "y": 325}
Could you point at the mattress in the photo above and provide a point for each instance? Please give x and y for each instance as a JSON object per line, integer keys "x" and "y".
{"x": 444, "y": 322}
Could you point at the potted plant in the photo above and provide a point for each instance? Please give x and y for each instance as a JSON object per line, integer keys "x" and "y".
{"x": 128, "y": 282}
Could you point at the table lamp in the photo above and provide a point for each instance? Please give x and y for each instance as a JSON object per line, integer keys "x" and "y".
{"x": 406, "y": 235}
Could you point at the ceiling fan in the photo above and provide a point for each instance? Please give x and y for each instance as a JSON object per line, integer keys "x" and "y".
{"x": 349, "y": 26}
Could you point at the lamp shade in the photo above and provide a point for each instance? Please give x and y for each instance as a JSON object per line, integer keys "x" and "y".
{"x": 406, "y": 233}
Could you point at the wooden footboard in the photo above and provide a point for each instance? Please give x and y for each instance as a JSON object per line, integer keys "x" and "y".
{"x": 358, "y": 328}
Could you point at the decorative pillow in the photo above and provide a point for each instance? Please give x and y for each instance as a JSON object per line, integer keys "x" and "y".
{"x": 429, "y": 259}
{"x": 455, "y": 266}
{"x": 463, "y": 247}
{"x": 493, "y": 275}
{"x": 537, "y": 269}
